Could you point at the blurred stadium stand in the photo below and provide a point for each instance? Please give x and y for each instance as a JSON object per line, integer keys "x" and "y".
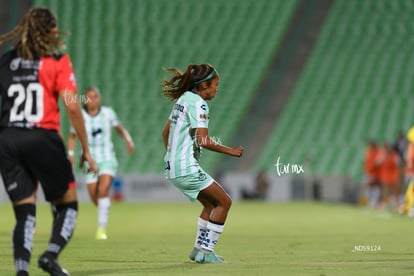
{"x": 278, "y": 81}
{"x": 353, "y": 85}
{"x": 121, "y": 47}
{"x": 10, "y": 14}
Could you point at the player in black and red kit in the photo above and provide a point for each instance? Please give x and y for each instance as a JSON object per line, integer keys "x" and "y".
{"x": 33, "y": 76}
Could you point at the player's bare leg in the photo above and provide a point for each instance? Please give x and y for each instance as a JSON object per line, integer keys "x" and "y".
{"x": 202, "y": 222}
{"x": 104, "y": 203}
{"x": 93, "y": 192}
{"x": 216, "y": 204}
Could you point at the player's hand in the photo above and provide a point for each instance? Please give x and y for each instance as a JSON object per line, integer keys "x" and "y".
{"x": 237, "y": 151}
{"x": 91, "y": 167}
{"x": 71, "y": 159}
{"x": 131, "y": 147}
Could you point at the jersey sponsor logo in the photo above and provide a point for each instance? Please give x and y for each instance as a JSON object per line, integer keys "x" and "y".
{"x": 14, "y": 64}
{"x": 174, "y": 119}
{"x": 96, "y": 132}
{"x": 28, "y": 77}
{"x": 203, "y": 107}
{"x": 17, "y": 63}
{"x": 29, "y": 64}
{"x": 179, "y": 107}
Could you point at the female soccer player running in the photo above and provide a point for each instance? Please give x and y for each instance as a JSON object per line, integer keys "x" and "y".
{"x": 184, "y": 135}
{"x": 33, "y": 75}
{"x": 99, "y": 121}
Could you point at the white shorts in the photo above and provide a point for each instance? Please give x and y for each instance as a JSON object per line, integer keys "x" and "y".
{"x": 108, "y": 167}
{"x": 191, "y": 185}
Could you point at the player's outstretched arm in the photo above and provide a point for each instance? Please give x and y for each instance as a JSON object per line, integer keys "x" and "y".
{"x": 205, "y": 141}
{"x": 127, "y": 138}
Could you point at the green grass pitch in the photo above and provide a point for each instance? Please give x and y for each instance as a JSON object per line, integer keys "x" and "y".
{"x": 259, "y": 239}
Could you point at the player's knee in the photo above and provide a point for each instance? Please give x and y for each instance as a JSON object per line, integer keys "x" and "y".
{"x": 70, "y": 209}
{"x": 69, "y": 196}
{"x": 227, "y": 202}
{"x": 70, "y": 205}
{"x": 103, "y": 189}
{"x": 30, "y": 200}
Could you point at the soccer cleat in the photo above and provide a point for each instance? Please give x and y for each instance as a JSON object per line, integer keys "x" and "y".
{"x": 101, "y": 234}
{"x": 193, "y": 253}
{"x": 51, "y": 265}
{"x": 208, "y": 258}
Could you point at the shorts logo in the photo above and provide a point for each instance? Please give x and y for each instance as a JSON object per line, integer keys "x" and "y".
{"x": 12, "y": 186}
{"x": 202, "y": 177}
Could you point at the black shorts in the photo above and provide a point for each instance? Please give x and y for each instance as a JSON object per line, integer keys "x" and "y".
{"x": 29, "y": 156}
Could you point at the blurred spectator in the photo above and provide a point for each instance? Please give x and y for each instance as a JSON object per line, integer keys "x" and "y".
{"x": 388, "y": 160}
{"x": 117, "y": 190}
{"x": 400, "y": 146}
{"x": 261, "y": 188}
{"x": 371, "y": 170}
{"x": 406, "y": 207}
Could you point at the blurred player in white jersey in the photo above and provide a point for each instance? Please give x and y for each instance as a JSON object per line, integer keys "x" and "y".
{"x": 184, "y": 135}
{"x": 99, "y": 122}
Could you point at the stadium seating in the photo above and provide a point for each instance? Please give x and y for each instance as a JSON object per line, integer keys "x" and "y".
{"x": 354, "y": 87}
{"x": 121, "y": 46}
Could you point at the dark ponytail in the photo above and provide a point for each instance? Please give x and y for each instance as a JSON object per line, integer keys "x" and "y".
{"x": 35, "y": 34}
{"x": 180, "y": 82}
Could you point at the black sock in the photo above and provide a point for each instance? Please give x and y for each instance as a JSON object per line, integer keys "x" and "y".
{"x": 54, "y": 211}
{"x": 23, "y": 235}
{"x": 63, "y": 227}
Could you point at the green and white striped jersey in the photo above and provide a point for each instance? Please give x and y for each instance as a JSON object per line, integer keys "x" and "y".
{"x": 98, "y": 129}
{"x": 183, "y": 153}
